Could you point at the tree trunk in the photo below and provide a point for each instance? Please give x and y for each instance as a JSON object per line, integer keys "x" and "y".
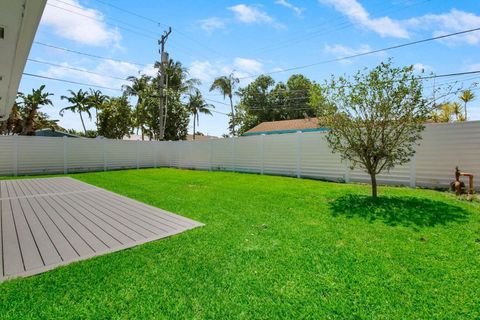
{"x": 29, "y": 129}
{"x": 83, "y": 124}
{"x": 233, "y": 114}
{"x": 373, "y": 177}
{"x": 193, "y": 127}
{"x": 466, "y": 118}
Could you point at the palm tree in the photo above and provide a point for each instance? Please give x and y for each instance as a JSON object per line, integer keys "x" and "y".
{"x": 96, "y": 100}
{"x": 80, "y": 103}
{"x": 226, "y": 85}
{"x": 138, "y": 89}
{"x": 196, "y": 105}
{"x": 31, "y": 103}
{"x": 466, "y": 97}
{"x": 456, "y": 109}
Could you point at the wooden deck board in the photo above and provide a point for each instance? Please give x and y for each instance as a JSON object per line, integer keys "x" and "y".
{"x": 46, "y": 223}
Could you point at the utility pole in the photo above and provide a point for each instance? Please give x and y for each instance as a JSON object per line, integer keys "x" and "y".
{"x": 162, "y": 84}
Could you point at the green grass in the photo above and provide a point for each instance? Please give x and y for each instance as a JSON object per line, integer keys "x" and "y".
{"x": 272, "y": 247}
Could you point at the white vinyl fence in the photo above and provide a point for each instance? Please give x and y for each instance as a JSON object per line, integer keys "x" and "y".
{"x": 444, "y": 146}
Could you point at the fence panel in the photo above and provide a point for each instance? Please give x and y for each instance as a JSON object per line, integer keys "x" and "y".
{"x": 83, "y": 155}
{"x": 280, "y": 154}
{"x": 317, "y": 161}
{"x": 40, "y": 155}
{"x": 444, "y": 147}
{"x": 248, "y": 154}
{"x": 8, "y": 156}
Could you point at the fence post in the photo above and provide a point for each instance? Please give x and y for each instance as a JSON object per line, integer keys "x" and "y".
{"x": 137, "y": 147}
{"x": 299, "y": 153}
{"x": 15, "y": 155}
{"x": 170, "y": 152}
{"x": 104, "y": 147}
{"x": 210, "y": 157}
{"x": 413, "y": 171}
{"x": 233, "y": 154}
{"x": 155, "y": 154}
{"x": 262, "y": 153}
{"x": 347, "y": 171}
{"x": 65, "y": 155}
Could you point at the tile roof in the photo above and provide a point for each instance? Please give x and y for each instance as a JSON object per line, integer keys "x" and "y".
{"x": 286, "y": 125}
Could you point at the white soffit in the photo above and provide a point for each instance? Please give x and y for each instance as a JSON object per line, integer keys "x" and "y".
{"x": 19, "y": 21}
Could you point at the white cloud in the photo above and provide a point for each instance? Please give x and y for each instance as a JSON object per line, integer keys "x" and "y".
{"x": 341, "y": 51}
{"x": 248, "y": 65}
{"x": 252, "y": 15}
{"x": 85, "y": 26}
{"x": 422, "y": 68}
{"x": 297, "y": 10}
{"x": 453, "y": 21}
{"x": 111, "y": 68}
{"x": 206, "y": 71}
{"x": 473, "y": 67}
{"x": 212, "y": 24}
{"x": 384, "y": 26}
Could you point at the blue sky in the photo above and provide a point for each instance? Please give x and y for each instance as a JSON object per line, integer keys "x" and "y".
{"x": 214, "y": 38}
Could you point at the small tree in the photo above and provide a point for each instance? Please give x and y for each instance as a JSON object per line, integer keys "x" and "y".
{"x": 375, "y": 118}
{"x": 115, "y": 119}
{"x": 29, "y": 107}
{"x": 466, "y": 97}
{"x": 79, "y": 103}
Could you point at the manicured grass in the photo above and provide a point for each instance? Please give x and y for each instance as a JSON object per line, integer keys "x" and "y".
{"x": 272, "y": 247}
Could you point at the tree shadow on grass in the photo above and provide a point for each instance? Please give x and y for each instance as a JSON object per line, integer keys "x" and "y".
{"x": 394, "y": 211}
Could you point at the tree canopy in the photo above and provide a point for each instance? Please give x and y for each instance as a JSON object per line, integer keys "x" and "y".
{"x": 375, "y": 118}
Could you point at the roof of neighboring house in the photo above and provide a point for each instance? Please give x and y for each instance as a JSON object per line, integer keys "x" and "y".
{"x": 51, "y": 133}
{"x": 200, "y": 137}
{"x": 286, "y": 126}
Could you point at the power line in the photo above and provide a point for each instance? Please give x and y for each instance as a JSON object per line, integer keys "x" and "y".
{"x": 370, "y": 52}
{"x": 341, "y": 26}
{"x": 101, "y": 20}
{"x": 71, "y": 82}
{"x": 159, "y": 24}
{"x": 445, "y": 75}
{"x": 74, "y": 69}
{"x": 88, "y": 54}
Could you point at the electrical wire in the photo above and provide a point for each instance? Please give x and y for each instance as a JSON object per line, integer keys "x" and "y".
{"x": 71, "y": 82}
{"x": 323, "y": 31}
{"x": 369, "y": 52}
{"x": 101, "y": 20}
{"x": 74, "y": 69}
{"x": 88, "y": 54}
{"x": 160, "y": 24}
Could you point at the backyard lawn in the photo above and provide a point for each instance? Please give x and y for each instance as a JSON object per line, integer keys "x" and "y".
{"x": 272, "y": 247}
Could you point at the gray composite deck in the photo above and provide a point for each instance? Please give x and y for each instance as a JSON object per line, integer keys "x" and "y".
{"x": 45, "y": 223}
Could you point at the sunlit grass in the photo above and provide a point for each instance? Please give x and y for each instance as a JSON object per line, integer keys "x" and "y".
{"x": 272, "y": 247}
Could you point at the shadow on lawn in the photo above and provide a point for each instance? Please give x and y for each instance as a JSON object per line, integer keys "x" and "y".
{"x": 405, "y": 211}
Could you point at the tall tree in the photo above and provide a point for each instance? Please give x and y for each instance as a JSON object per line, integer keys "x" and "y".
{"x": 79, "y": 103}
{"x": 197, "y": 105}
{"x": 466, "y": 97}
{"x": 138, "y": 88}
{"x": 115, "y": 119}
{"x": 263, "y": 100}
{"x": 226, "y": 85}
{"x": 96, "y": 100}
{"x": 30, "y": 104}
{"x": 378, "y": 118}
